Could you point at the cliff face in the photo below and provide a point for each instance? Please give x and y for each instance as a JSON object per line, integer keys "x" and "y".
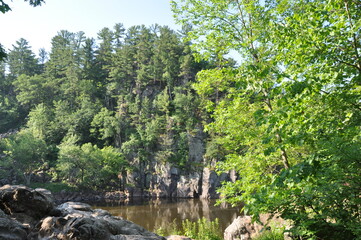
{"x": 165, "y": 179}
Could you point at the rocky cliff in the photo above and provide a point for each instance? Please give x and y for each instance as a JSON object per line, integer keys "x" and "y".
{"x": 167, "y": 179}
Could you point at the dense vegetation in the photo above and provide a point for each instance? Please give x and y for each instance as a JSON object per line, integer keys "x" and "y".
{"x": 89, "y": 112}
{"x": 202, "y": 229}
{"x": 288, "y": 117}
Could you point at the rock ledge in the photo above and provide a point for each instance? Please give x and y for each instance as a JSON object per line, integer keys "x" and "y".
{"x": 26, "y": 213}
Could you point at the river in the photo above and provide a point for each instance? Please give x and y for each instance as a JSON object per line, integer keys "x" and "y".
{"x": 162, "y": 213}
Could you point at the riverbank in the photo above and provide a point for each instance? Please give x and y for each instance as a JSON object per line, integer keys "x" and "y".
{"x": 27, "y": 213}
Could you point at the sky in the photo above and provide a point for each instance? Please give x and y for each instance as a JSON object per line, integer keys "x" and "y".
{"x": 40, "y": 24}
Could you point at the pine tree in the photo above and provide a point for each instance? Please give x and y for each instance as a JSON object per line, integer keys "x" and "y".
{"x": 22, "y": 60}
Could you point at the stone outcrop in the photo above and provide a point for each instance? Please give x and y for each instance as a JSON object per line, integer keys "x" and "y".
{"x": 166, "y": 180}
{"x": 79, "y": 221}
{"x": 31, "y": 214}
{"x": 170, "y": 182}
{"x": 189, "y": 186}
{"x": 242, "y": 228}
{"x": 154, "y": 178}
{"x": 26, "y": 205}
{"x": 11, "y": 229}
{"x": 211, "y": 181}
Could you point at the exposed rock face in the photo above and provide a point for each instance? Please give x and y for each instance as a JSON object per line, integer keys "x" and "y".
{"x": 25, "y": 204}
{"x": 37, "y": 218}
{"x": 211, "y": 182}
{"x": 11, "y": 229}
{"x": 167, "y": 180}
{"x": 242, "y": 228}
{"x": 164, "y": 182}
{"x": 189, "y": 186}
{"x": 79, "y": 221}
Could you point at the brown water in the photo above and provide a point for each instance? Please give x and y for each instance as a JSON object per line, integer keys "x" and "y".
{"x": 155, "y": 214}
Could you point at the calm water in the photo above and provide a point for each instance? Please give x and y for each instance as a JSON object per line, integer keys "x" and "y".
{"x": 155, "y": 214}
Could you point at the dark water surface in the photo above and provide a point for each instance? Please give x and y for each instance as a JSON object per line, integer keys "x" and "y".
{"x": 155, "y": 214}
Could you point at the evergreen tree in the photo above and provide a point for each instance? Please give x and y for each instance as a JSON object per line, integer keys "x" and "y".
{"x": 22, "y": 60}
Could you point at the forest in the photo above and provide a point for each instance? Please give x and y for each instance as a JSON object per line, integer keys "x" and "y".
{"x": 286, "y": 116}
{"x": 87, "y": 112}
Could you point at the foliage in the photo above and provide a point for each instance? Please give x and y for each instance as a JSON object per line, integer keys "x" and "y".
{"x": 21, "y": 60}
{"x": 89, "y": 166}
{"x": 288, "y": 117}
{"x": 25, "y": 153}
{"x": 271, "y": 235}
{"x": 54, "y": 187}
{"x": 170, "y": 229}
{"x": 128, "y": 92}
{"x": 202, "y": 229}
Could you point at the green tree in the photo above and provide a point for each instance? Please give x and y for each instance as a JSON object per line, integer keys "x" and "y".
{"x": 104, "y": 52}
{"x": 40, "y": 122}
{"x": 9, "y": 109}
{"x": 89, "y": 166}
{"x": 88, "y": 65}
{"x": 25, "y": 153}
{"x": 61, "y": 54}
{"x": 22, "y": 60}
{"x": 105, "y": 126}
{"x": 286, "y": 115}
{"x": 31, "y": 90}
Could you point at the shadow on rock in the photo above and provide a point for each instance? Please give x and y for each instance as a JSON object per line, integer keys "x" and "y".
{"x": 31, "y": 214}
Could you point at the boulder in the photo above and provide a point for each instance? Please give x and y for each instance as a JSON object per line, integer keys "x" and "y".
{"x": 30, "y": 214}
{"x": 11, "y": 229}
{"x": 242, "y": 228}
{"x": 25, "y": 204}
{"x": 80, "y": 222}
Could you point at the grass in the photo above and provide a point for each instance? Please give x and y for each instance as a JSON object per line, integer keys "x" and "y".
{"x": 199, "y": 230}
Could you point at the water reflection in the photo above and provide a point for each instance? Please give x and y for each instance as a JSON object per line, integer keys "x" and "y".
{"x": 160, "y": 213}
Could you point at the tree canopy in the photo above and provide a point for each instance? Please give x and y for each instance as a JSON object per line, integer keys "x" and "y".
{"x": 105, "y": 107}
{"x": 288, "y": 117}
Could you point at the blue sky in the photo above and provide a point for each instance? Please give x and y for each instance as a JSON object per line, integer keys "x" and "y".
{"x": 38, "y": 25}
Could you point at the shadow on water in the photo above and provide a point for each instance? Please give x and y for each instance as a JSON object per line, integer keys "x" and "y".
{"x": 160, "y": 213}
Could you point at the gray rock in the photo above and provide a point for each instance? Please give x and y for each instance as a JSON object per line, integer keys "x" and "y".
{"x": 37, "y": 218}
{"x": 11, "y": 229}
{"x": 88, "y": 224}
{"x": 211, "y": 182}
{"x": 188, "y": 186}
{"x": 242, "y": 228}
{"x": 25, "y": 204}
